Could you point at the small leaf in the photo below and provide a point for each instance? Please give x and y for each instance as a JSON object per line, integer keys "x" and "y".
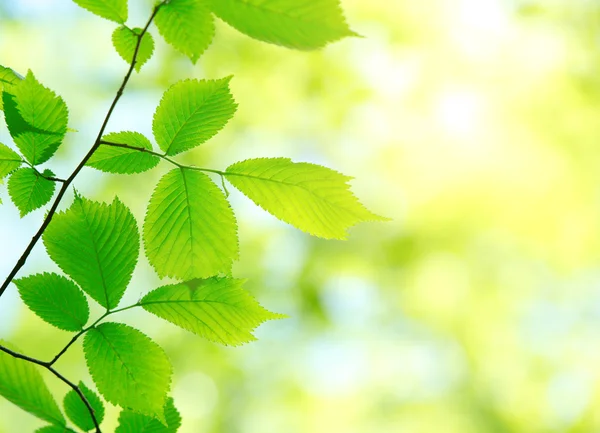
{"x": 299, "y": 24}
{"x": 97, "y": 245}
{"x": 55, "y": 299}
{"x": 7, "y": 78}
{"x": 30, "y": 191}
{"x": 188, "y": 25}
{"x": 189, "y": 230}
{"x": 218, "y": 309}
{"x": 112, "y": 159}
{"x": 9, "y": 161}
{"x": 310, "y": 197}
{"x": 78, "y": 412}
{"x": 22, "y": 384}
{"x": 129, "y": 369}
{"x": 114, "y": 10}
{"x": 36, "y": 119}
{"x": 54, "y": 429}
{"x": 125, "y": 40}
{"x": 131, "y": 422}
{"x": 191, "y": 112}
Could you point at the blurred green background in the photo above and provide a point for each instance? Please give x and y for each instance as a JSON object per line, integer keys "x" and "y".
{"x": 474, "y": 124}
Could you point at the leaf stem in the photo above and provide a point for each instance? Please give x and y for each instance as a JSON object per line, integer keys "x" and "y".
{"x": 86, "y": 329}
{"x": 165, "y": 157}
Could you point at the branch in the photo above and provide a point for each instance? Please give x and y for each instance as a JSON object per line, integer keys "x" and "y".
{"x": 65, "y": 186}
{"x": 48, "y": 367}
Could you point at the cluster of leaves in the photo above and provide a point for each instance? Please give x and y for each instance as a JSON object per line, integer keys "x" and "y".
{"x": 189, "y": 231}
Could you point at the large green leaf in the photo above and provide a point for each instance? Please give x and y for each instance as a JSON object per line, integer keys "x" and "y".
{"x": 55, "y": 299}
{"x": 131, "y": 422}
{"x": 125, "y": 40}
{"x": 129, "y": 369}
{"x": 29, "y": 190}
{"x": 114, "y": 10}
{"x": 218, "y": 309}
{"x": 9, "y": 161}
{"x": 22, "y": 384}
{"x": 313, "y": 198}
{"x": 189, "y": 230}
{"x": 97, "y": 245}
{"x": 78, "y": 412}
{"x": 7, "y": 78}
{"x": 113, "y": 159}
{"x": 187, "y": 25}
{"x": 299, "y": 24}
{"x": 36, "y": 119}
{"x": 191, "y": 112}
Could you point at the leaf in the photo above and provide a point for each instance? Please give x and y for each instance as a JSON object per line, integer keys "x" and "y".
{"x": 218, "y": 309}
{"x": 129, "y": 369}
{"x": 55, "y": 299}
{"x": 131, "y": 422}
{"x": 310, "y": 197}
{"x": 114, "y": 10}
{"x": 36, "y": 119}
{"x": 125, "y": 40}
{"x": 188, "y": 25}
{"x": 22, "y": 384}
{"x": 191, "y": 112}
{"x": 189, "y": 230}
{"x": 112, "y": 159}
{"x": 78, "y": 412}
{"x": 9, "y": 161}
{"x": 54, "y": 429}
{"x": 30, "y": 191}
{"x": 299, "y": 24}
{"x": 7, "y": 78}
{"x": 97, "y": 245}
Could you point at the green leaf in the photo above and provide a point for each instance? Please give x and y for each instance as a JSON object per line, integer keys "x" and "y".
{"x": 36, "y": 119}
{"x": 188, "y": 25}
{"x": 129, "y": 369}
{"x": 189, "y": 230}
{"x": 112, "y": 159}
{"x": 125, "y": 40}
{"x": 191, "y": 112}
{"x": 29, "y": 190}
{"x": 310, "y": 197}
{"x": 131, "y": 422}
{"x": 9, "y": 161}
{"x": 299, "y": 24}
{"x": 7, "y": 78}
{"x": 114, "y": 10}
{"x": 54, "y": 429}
{"x": 55, "y": 299}
{"x": 22, "y": 384}
{"x": 97, "y": 245}
{"x": 218, "y": 309}
{"x": 78, "y": 412}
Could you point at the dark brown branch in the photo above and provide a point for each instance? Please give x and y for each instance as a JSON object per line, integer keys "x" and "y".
{"x": 49, "y": 367}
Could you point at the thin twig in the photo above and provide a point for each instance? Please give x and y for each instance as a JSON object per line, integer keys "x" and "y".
{"x": 48, "y": 367}
{"x": 166, "y": 158}
{"x": 23, "y": 259}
